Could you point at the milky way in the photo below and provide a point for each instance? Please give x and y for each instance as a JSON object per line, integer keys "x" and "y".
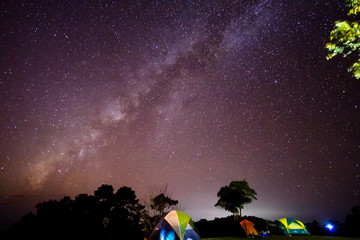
{"x": 188, "y": 94}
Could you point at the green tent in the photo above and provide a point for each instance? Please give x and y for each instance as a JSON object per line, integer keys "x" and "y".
{"x": 175, "y": 225}
{"x": 291, "y": 226}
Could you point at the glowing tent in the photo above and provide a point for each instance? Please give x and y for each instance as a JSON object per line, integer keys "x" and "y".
{"x": 248, "y": 228}
{"x": 175, "y": 225}
{"x": 291, "y": 226}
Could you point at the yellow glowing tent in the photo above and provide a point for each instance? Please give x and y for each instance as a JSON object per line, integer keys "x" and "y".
{"x": 291, "y": 226}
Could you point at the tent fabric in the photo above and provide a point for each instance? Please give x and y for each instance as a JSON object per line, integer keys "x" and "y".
{"x": 292, "y": 226}
{"x": 248, "y": 228}
{"x": 175, "y": 225}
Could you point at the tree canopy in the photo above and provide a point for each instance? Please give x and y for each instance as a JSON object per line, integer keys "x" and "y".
{"x": 233, "y": 197}
{"x": 105, "y": 215}
{"x": 345, "y": 38}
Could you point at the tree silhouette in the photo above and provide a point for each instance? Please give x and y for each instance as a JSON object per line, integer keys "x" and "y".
{"x": 125, "y": 217}
{"x": 352, "y": 222}
{"x": 86, "y": 217}
{"x": 233, "y": 197}
{"x": 157, "y": 203}
{"x": 160, "y": 202}
{"x": 104, "y": 193}
{"x": 105, "y": 215}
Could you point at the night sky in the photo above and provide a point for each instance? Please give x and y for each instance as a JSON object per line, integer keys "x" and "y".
{"x": 188, "y": 94}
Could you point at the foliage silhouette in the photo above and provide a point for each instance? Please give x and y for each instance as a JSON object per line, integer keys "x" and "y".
{"x": 105, "y": 215}
{"x": 352, "y": 223}
{"x": 228, "y": 226}
{"x": 315, "y": 228}
{"x": 157, "y": 204}
{"x": 160, "y": 202}
{"x": 233, "y": 197}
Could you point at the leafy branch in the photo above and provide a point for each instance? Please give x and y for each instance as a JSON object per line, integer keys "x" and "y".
{"x": 345, "y": 38}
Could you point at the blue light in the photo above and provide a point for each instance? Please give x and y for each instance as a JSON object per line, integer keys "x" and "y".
{"x": 167, "y": 234}
{"x": 329, "y": 226}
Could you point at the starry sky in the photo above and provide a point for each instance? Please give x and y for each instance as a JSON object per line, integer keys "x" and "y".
{"x": 186, "y": 94}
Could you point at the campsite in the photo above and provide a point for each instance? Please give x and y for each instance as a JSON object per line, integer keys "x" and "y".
{"x": 287, "y": 238}
{"x": 179, "y": 119}
{"x": 110, "y": 214}
{"x": 178, "y": 225}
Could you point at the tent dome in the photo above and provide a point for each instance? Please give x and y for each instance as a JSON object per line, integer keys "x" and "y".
{"x": 292, "y": 226}
{"x": 175, "y": 225}
{"x": 249, "y": 228}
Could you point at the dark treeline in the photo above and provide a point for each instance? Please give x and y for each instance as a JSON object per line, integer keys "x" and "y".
{"x": 350, "y": 228}
{"x": 110, "y": 214}
{"x": 228, "y": 226}
{"x": 104, "y": 215}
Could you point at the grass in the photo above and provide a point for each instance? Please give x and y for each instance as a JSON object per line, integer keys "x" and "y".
{"x": 276, "y": 237}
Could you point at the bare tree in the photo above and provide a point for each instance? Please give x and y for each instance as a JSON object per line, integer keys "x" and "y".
{"x": 157, "y": 202}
